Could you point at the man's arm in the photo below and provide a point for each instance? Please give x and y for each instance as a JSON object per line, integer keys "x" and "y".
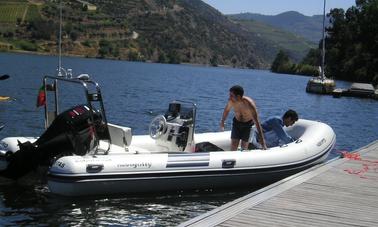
{"x": 256, "y": 120}
{"x": 226, "y": 110}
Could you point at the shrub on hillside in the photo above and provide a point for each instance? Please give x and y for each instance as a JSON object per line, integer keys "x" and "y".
{"x": 28, "y": 46}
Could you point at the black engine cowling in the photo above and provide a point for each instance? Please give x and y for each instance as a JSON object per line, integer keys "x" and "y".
{"x": 71, "y": 132}
{"x": 74, "y": 131}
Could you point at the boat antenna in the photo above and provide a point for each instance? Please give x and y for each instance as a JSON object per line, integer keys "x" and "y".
{"x": 60, "y": 39}
{"x": 323, "y": 43}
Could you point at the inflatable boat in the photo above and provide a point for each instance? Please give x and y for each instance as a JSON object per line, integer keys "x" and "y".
{"x": 86, "y": 155}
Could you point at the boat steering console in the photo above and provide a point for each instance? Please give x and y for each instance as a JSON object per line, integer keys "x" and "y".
{"x": 175, "y": 129}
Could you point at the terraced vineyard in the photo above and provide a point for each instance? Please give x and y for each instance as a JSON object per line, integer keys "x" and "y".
{"x": 33, "y": 13}
{"x": 9, "y": 12}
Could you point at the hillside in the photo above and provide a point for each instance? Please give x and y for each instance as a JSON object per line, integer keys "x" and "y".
{"x": 169, "y": 31}
{"x": 295, "y": 46}
{"x": 308, "y": 27}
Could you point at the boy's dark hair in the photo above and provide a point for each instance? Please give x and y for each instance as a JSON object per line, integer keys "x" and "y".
{"x": 292, "y": 114}
{"x": 237, "y": 90}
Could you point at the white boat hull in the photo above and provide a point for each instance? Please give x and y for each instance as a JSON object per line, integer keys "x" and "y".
{"x": 140, "y": 170}
{"x": 78, "y": 185}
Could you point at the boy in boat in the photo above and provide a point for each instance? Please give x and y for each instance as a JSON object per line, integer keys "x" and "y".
{"x": 245, "y": 116}
{"x": 274, "y": 133}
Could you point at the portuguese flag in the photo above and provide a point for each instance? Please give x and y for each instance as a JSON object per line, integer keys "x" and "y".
{"x": 41, "y": 99}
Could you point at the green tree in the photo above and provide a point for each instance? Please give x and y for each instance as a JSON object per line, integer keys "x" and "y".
{"x": 42, "y": 29}
{"x": 174, "y": 57}
{"x": 312, "y": 58}
{"x": 351, "y": 45}
{"x": 134, "y": 55}
{"x": 214, "y": 60}
{"x": 162, "y": 57}
{"x": 105, "y": 48}
{"x": 281, "y": 63}
{"x": 74, "y": 35}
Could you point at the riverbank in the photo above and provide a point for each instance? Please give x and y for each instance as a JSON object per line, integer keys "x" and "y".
{"x": 116, "y": 59}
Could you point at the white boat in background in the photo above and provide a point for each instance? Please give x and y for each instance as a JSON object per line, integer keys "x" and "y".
{"x": 86, "y": 155}
{"x": 321, "y": 84}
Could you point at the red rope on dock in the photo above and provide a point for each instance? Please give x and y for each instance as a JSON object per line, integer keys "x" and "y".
{"x": 366, "y": 165}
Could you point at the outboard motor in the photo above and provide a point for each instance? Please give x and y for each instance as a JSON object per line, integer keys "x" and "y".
{"x": 174, "y": 130}
{"x": 72, "y": 132}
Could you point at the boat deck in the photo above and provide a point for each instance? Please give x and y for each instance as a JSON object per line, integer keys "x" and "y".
{"x": 341, "y": 192}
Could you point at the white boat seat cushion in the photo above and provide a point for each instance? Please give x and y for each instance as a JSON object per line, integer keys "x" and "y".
{"x": 120, "y": 136}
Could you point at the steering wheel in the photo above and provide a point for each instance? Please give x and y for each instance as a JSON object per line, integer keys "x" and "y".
{"x": 158, "y": 127}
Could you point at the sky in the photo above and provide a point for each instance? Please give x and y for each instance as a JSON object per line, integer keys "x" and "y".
{"x": 274, "y": 7}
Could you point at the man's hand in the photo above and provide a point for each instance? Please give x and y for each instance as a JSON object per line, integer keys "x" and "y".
{"x": 221, "y": 126}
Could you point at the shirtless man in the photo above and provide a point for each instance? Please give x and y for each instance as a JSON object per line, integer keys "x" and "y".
{"x": 245, "y": 115}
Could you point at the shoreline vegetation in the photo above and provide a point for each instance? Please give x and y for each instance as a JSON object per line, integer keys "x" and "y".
{"x": 351, "y": 47}
{"x": 283, "y": 64}
{"x": 114, "y": 59}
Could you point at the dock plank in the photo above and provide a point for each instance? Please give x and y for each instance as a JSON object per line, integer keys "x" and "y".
{"x": 342, "y": 192}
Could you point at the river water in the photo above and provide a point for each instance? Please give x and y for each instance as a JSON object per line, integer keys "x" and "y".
{"x": 134, "y": 93}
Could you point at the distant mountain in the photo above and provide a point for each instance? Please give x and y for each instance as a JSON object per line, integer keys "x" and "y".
{"x": 296, "y": 47}
{"x": 308, "y": 27}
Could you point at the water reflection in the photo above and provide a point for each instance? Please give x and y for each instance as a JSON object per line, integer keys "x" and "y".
{"x": 34, "y": 205}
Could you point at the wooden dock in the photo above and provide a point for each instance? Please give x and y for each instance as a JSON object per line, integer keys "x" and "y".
{"x": 341, "y": 192}
{"x": 361, "y": 90}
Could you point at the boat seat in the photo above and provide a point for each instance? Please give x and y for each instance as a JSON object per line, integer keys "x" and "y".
{"x": 119, "y": 135}
{"x": 219, "y": 139}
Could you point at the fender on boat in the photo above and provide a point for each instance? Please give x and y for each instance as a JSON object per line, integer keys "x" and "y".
{"x": 8, "y": 146}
